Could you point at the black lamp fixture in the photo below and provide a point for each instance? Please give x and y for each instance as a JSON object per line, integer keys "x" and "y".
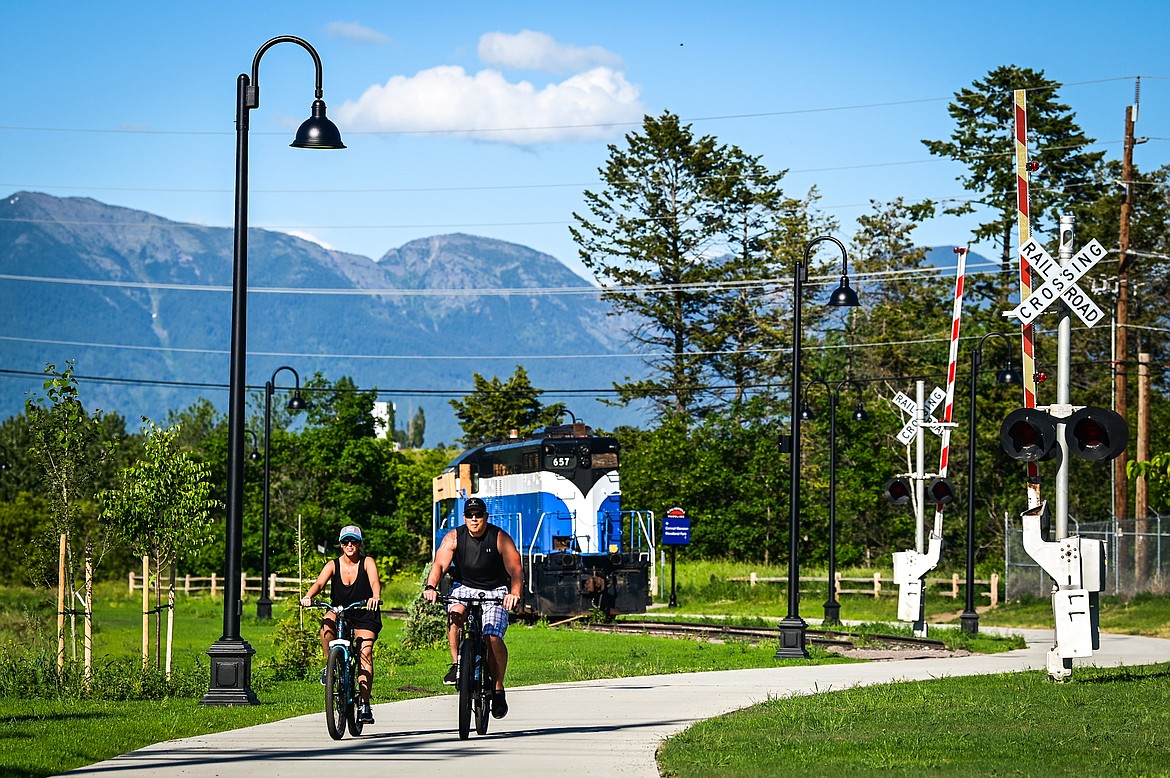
{"x": 792, "y": 626}
{"x": 254, "y": 454}
{"x": 969, "y": 619}
{"x": 231, "y": 655}
{"x": 264, "y": 604}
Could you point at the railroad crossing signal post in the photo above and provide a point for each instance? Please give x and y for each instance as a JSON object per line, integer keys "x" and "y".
{"x": 1076, "y": 565}
{"x": 911, "y": 567}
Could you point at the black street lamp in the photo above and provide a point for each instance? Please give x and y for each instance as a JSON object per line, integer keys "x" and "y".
{"x": 792, "y": 626}
{"x": 264, "y": 604}
{"x": 231, "y": 655}
{"x": 969, "y": 619}
{"x": 254, "y": 454}
{"x": 832, "y": 607}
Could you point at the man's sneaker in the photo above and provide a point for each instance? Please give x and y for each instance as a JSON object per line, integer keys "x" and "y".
{"x": 499, "y": 704}
{"x": 323, "y": 674}
{"x": 365, "y": 715}
{"x": 452, "y": 675}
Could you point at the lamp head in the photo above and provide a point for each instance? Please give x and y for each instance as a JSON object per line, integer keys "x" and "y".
{"x": 318, "y": 132}
{"x": 860, "y": 414}
{"x": 1008, "y": 376}
{"x": 843, "y": 296}
{"x": 297, "y": 403}
{"x": 807, "y": 413}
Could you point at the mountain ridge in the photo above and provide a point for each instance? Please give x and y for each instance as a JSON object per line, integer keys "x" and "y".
{"x": 158, "y": 312}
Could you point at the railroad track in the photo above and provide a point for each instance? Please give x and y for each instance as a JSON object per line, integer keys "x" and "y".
{"x": 717, "y": 631}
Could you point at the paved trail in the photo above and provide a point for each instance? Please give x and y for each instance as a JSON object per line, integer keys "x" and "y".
{"x": 594, "y": 728}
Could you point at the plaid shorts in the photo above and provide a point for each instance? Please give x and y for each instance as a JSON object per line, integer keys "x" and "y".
{"x": 495, "y": 618}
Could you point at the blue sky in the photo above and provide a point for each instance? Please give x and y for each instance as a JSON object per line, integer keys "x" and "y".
{"x": 491, "y": 118}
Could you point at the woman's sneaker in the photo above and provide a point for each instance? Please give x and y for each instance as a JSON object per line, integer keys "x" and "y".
{"x": 452, "y": 675}
{"x": 365, "y": 715}
{"x": 323, "y": 675}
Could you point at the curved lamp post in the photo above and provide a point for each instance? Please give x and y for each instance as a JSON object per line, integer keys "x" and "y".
{"x": 254, "y": 454}
{"x": 264, "y": 604}
{"x": 792, "y": 626}
{"x": 231, "y": 655}
{"x": 832, "y": 607}
{"x": 969, "y": 619}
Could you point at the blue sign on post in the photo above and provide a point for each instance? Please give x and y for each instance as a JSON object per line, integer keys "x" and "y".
{"x": 676, "y": 528}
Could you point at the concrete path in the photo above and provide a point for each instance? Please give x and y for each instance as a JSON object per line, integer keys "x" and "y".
{"x": 594, "y": 728}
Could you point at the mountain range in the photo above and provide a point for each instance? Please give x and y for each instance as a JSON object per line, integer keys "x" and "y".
{"x": 143, "y": 306}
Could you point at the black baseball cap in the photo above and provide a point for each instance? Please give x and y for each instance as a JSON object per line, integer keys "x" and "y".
{"x": 474, "y": 505}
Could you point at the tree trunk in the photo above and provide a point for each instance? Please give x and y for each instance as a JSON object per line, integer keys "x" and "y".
{"x": 170, "y": 620}
{"x": 145, "y": 611}
{"x": 88, "y": 613}
{"x": 157, "y": 613}
{"x": 61, "y": 607}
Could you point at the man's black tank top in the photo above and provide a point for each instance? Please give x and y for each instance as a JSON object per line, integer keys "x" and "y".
{"x": 477, "y": 562}
{"x": 359, "y": 591}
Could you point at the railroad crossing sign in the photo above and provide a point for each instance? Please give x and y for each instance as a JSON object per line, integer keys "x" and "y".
{"x": 911, "y": 407}
{"x": 1061, "y": 283}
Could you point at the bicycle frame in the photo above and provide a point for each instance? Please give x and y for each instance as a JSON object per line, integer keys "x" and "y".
{"x": 475, "y": 683}
{"x": 342, "y": 694}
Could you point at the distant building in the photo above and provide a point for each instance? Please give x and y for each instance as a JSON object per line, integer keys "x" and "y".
{"x": 384, "y": 413}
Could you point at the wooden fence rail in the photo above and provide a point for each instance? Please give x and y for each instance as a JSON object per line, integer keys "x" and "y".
{"x": 876, "y": 584}
{"x": 279, "y": 588}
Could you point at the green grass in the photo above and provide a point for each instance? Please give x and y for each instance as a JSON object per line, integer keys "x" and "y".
{"x": 47, "y": 736}
{"x": 1112, "y": 722}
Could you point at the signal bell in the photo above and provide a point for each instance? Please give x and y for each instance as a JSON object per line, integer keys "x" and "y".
{"x": 897, "y": 491}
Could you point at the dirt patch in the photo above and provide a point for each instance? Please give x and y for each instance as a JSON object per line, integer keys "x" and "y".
{"x": 887, "y": 653}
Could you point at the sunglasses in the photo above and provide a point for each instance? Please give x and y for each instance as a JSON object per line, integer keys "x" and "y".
{"x": 350, "y": 542}
{"x": 474, "y": 515}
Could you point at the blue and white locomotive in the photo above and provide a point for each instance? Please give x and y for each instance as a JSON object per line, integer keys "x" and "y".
{"x": 557, "y": 494}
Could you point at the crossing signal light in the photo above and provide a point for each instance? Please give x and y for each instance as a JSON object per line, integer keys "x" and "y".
{"x": 1027, "y": 434}
{"x": 897, "y": 491}
{"x": 1096, "y": 434}
{"x": 941, "y": 491}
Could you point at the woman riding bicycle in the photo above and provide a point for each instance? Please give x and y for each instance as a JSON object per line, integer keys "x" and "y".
{"x": 354, "y": 578}
{"x": 482, "y": 558}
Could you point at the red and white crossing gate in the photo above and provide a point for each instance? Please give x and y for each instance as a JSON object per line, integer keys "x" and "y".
{"x": 1061, "y": 283}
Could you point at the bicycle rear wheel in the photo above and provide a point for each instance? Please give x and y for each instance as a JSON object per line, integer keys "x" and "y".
{"x": 351, "y": 715}
{"x": 467, "y": 687}
{"x": 336, "y": 693}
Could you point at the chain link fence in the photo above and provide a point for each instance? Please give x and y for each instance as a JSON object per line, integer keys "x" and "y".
{"x": 1137, "y": 556}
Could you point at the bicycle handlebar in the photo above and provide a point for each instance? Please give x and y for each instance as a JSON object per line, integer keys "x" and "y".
{"x": 337, "y": 608}
{"x": 482, "y": 599}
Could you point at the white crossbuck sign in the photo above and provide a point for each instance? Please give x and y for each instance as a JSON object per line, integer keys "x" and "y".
{"x": 1061, "y": 283}
{"x": 909, "y": 406}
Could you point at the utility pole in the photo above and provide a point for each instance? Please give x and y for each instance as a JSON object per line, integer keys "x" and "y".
{"x": 1141, "y": 499}
{"x": 1121, "y": 384}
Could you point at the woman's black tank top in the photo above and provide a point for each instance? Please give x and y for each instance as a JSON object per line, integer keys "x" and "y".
{"x": 359, "y": 591}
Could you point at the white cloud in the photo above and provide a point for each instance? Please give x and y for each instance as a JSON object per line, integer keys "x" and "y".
{"x": 486, "y": 106}
{"x": 529, "y": 50}
{"x": 355, "y": 32}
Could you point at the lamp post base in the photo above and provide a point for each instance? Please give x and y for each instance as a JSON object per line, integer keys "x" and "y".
{"x": 231, "y": 673}
{"x": 969, "y": 623}
{"x": 264, "y": 609}
{"x": 792, "y": 629}
{"x": 832, "y": 612}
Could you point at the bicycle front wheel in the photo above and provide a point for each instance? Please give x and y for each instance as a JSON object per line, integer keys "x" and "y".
{"x": 483, "y": 698}
{"x": 336, "y": 693}
{"x": 468, "y": 684}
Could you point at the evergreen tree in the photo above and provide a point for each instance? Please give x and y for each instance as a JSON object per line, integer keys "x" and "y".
{"x": 495, "y": 409}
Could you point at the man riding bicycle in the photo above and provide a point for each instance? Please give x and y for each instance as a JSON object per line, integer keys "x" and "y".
{"x": 482, "y": 559}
